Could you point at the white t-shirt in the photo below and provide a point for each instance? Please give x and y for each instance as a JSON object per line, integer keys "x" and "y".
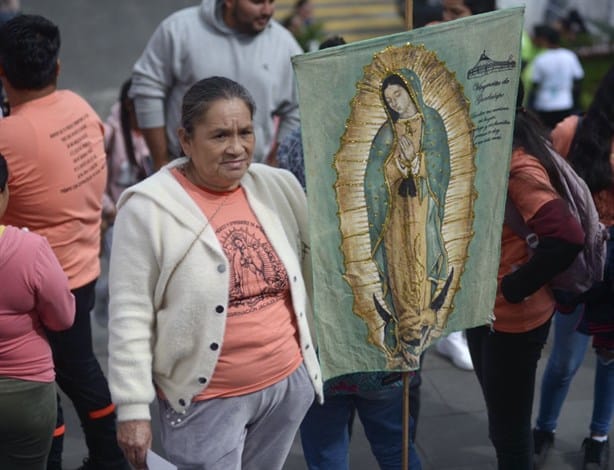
{"x": 555, "y": 70}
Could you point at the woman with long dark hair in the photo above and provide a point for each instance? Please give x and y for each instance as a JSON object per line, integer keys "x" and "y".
{"x": 505, "y": 354}
{"x": 588, "y": 144}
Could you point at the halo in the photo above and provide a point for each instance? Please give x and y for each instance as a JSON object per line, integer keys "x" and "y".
{"x": 442, "y": 92}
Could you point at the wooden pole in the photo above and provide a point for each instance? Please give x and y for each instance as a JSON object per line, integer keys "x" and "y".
{"x": 406, "y": 378}
{"x": 409, "y": 15}
{"x": 409, "y": 25}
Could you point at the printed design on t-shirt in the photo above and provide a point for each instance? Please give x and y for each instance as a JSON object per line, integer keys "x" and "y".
{"x": 79, "y": 148}
{"x": 257, "y": 276}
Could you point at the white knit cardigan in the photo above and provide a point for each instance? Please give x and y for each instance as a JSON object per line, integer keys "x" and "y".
{"x": 169, "y": 281}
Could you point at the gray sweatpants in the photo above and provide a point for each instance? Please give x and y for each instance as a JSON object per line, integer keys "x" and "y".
{"x": 249, "y": 432}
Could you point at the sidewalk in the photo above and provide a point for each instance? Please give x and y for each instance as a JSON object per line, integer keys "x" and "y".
{"x": 452, "y": 433}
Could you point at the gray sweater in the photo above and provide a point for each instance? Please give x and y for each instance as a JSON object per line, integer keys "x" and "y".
{"x": 195, "y": 43}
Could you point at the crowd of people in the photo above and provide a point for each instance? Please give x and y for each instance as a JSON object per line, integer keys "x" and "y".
{"x": 173, "y": 223}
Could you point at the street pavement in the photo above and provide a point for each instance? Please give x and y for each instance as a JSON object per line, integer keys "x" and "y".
{"x": 101, "y": 41}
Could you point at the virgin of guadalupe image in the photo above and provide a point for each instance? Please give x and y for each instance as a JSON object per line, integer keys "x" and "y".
{"x": 405, "y": 192}
{"x": 406, "y": 180}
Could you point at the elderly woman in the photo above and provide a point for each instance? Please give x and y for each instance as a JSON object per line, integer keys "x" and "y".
{"x": 208, "y": 299}
{"x": 35, "y": 296}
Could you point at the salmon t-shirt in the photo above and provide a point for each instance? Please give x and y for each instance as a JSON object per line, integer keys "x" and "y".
{"x": 57, "y": 174}
{"x": 529, "y": 188}
{"x": 261, "y": 345}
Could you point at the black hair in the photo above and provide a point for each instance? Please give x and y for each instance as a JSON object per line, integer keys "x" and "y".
{"x": 199, "y": 98}
{"x": 531, "y": 135}
{"x": 479, "y": 6}
{"x": 551, "y": 35}
{"x": 392, "y": 79}
{"x": 125, "y": 120}
{"x": 332, "y": 41}
{"x": 589, "y": 153}
{"x": 4, "y": 173}
{"x": 29, "y": 48}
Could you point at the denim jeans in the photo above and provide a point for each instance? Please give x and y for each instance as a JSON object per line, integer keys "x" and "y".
{"x": 325, "y": 435}
{"x": 505, "y": 364}
{"x": 80, "y": 377}
{"x": 566, "y": 357}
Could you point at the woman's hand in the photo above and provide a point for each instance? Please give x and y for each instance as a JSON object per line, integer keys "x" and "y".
{"x": 406, "y": 155}
{"x": 134, "y": 438}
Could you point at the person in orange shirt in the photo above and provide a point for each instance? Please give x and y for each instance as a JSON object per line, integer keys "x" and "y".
{"x": 505, "y": 354}
{"x": 53, "y": 143}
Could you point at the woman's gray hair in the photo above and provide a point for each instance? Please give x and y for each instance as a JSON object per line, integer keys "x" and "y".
{"x": 199, "y": 98}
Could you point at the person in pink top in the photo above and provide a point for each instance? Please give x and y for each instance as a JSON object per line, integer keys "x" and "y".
{"x": 53, "y": 143}
{"x": 35, "y": 294}
{"x": 128, "y": 162}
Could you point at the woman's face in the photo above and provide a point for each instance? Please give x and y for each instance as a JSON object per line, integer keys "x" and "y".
{"x": 221, "y": 146}
{"x": 399, "y": 100}
{"x": 454, "y": 9}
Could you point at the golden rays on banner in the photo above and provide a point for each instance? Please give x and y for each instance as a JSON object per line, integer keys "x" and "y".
{"x": 405, "y": 190}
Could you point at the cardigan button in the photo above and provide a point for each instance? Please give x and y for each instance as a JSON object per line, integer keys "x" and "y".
{"x": 214, "y": 346}
{"x": 221, "y": 268}
{"x": 219, "y": 309}
{"x": 202, "y": 380}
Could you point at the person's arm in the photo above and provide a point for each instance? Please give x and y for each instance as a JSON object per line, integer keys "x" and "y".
{"x": 133, "y": 275}
{"x": 55, "y": 303}
{"x": 152, "y": 78}
{"x": 532, "y": 95}
{"x": 271, "y": 158}
{"x": 556, "y": 250}
{"x": 560, "y": 235}
{"x": 536, "y": 79}
{"x": 562, "y": 135}
{"x": 287, "y": 97}
{"x": 157, "y": 143}
{"x": 131, "y": 325}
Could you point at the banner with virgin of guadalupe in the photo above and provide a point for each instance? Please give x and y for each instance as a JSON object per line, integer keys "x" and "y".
{"x": 407, "y": 142}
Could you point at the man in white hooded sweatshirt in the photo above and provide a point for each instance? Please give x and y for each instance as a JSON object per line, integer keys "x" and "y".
{"x": 237, "y": 39}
